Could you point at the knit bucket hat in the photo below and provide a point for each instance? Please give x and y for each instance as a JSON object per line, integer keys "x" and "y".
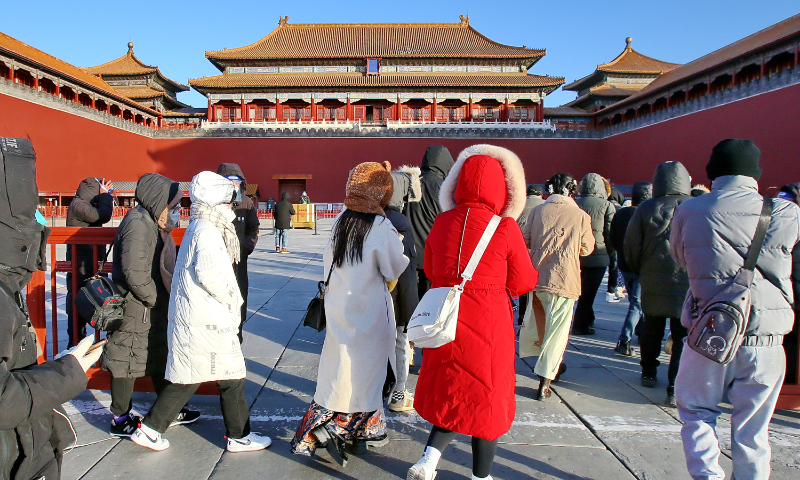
{"x": 369, "y": 188}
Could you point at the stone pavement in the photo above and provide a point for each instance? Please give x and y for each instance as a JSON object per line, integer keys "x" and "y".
{"x": 601, "y": 425}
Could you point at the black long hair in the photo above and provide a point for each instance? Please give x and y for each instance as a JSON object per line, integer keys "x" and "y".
{"x": 348, "y": 236}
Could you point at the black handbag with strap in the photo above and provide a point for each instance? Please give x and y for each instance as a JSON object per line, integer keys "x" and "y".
{"x": 315, "y": 313}
{"x": 100, "y": 301}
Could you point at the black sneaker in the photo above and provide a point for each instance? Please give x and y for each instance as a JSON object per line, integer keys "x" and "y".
{"x": 185, "y": 417}
{"x": 126, "y": 427}
{"x": 360, "y": 445}
{"x": 649, "y": 381}
{"x": 624, "y": 348}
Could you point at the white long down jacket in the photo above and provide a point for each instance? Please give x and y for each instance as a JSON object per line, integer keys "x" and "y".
{"x": 204, "y": 305}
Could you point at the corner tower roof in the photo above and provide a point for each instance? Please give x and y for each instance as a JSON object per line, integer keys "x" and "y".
{"x": 129, "y": 64}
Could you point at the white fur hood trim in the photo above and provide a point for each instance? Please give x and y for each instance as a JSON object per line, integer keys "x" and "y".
{"x": 416, "y": 185}
{"x": 514, "y": 173}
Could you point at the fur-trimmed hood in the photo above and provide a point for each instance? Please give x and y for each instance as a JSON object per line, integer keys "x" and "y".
{"x": 407, "y": 186}
{"x": 455, "y": 188}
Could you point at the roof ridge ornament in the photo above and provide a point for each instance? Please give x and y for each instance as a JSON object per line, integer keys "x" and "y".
{"x": 130, "y": 48}
{"x": 628, "y": 42}
{"x": 283, "y": 21}
{"x": 464, "y": 20}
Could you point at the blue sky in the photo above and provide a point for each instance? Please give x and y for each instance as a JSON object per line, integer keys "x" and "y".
{"x": 577, "y": 35}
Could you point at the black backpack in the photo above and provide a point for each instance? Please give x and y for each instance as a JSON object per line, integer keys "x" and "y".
{"x": 100, "y": 302}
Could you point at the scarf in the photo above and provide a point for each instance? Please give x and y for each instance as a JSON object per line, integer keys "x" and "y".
{"x": 221, "y": 216}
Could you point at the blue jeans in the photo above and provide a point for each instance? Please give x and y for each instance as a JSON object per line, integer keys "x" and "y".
{"x": 281, "y": 237}
{"x": 634, "y": 289}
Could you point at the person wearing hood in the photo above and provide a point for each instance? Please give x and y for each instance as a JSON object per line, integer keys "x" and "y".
{"x": 357, "y": 365}
{"x": 247, "y": 226}
{"x": 436, "y": 164}
{"x": 203, "y": 320}
{"x": 641, "y": 191}
{"x": 614, "y": 292}
{"x": 558, "y": 233}
{"x": 791, "y": 193}
{"x": 34, "y": 428}
{"x": 664, "y": 283}
{"x": 699, "y": 189}
{"x": 710, "y": 237}
{"x": 533, "y": 199}
{"x": 144, "y": 259}
{"x": 593, "y": 201}
{"x": 467, "y": 386}
{"x": 283, "y": 222}
{"x": 406, "y": 188}
{"x": 304, "y": 198}
{"x": 92, "y": 206}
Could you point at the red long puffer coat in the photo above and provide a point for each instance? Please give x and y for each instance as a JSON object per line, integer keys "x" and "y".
{"x": 467, "y": 386}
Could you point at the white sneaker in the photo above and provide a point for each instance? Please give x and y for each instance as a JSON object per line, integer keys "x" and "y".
{"x": 145, "y": 436}
{"x": 421, "y": 470}
{"x": 612, "y": 298}
{"x": 250, "y": 443}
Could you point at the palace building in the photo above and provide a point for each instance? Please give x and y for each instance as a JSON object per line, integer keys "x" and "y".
{"x": 145, "y": 84}
{"x": 376, "y": 73}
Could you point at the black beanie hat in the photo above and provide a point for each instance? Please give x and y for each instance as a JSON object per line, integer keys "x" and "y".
{"x": 734, "y": 157}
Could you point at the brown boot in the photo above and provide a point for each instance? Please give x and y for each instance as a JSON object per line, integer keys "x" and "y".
{"x": 544, "y": 391}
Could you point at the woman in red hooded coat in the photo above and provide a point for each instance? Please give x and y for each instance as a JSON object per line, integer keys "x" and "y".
{"x": 467, "y": 386}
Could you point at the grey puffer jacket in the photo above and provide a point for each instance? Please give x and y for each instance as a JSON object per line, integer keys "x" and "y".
{"x": 710, "y": 237}
{"x": 593, "y": 201}
{"x": 139, "y": 347}
{"x": 664, "y": 282}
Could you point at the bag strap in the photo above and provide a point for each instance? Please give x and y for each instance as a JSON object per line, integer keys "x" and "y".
{"x": 761, "y": 233}
{"x": 105, "y": 259}
{"x": 480, "y": 249}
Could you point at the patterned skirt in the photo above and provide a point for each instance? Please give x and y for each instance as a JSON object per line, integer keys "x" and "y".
{"x": 347, "y": 426}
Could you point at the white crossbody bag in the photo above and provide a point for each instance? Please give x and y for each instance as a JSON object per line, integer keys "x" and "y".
{"x": 434, "y": 321}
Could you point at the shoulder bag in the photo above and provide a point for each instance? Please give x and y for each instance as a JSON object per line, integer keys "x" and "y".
{"x": 434, "y": 321}
{"x": 100, "y": 302}
{"x": 315, "y": 313}
{"x": 718, "y": 331}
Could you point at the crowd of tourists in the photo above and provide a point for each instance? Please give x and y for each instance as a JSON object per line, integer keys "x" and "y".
{"x": 405, "y": 234}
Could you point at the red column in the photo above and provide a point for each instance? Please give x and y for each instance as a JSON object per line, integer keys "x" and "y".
{"x": 244, "y": 111}
{"x": 93, "y": 105}
{"x": 313, "y": 110}
{"x": 762, "y": 68}
{"x": 733, "y": 80}
{"x": 434, "y": 113}
{"x": 58, "y": 89}
{"x": 11, "y": 75}
{"x": 210, "y": 113}
{"x": 278, "y": 112}
{"x": 469, "y": 109}
{"x": 504, "y": 112}
{"x": 36, "y": 82}
{"x": 796, "y": 56}
{"x": 348, "y": 110}
{"x": 398, "y": 109}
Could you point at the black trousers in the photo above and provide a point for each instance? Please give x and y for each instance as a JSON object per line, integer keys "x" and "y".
{"x": 423, "y": 284}
{"x": 650, "y": 344}
{"x": 591, "y": 279}
{"x": 235, "y": 411}
{"x": 613, "y": 271}
{"x": 244, "y": 286}
{"x": 122, "y": 391}
{"x": 482, "y": 450}
{"x": 523, "y": 306}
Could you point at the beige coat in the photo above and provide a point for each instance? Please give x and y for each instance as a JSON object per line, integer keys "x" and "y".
{"x": 558, "y": 233}
{"x": 360, "y": 333}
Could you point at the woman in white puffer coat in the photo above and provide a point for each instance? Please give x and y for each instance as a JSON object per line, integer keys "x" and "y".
{"x": 204, "y": 317}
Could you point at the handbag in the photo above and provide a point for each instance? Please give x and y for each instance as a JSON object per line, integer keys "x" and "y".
{"x": 719, "y": 330}
{"x": 100, "y": 302}
{"x": 315, "y": 313}
{"x": 434, "y": 321}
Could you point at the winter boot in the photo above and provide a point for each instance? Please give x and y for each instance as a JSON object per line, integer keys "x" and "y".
{"x": 333, "y": 444}
{"x": 624, "y": 348}
{"x": 670, "y": 400}
{"x": 425, "y": 468}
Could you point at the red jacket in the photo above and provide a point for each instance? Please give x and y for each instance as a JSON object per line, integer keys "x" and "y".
{"x": 468, "y": 385}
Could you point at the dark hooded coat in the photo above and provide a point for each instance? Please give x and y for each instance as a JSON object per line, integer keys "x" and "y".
{"x": 89, "y": 208}
{"x": 32, "y": 435}
{"x": 436, "y": 164}
{"x": 283, "y": 212}
{"x": 247, "y": 226}
{"x": 664, "y": 282}
{"x": 641, "y": 191}
{"x": 139, "y": 347}
{"x": 405, "y": 295}
{"x": 593, "y": 201}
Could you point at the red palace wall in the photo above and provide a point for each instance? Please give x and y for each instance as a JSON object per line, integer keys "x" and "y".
{"x": 70, "y": 148}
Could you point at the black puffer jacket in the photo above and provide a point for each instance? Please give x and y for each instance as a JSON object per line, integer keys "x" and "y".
{"x": 664, "y": 283}
{"x": 593, "y": 201}
{"x": 33, "y": 434}
{"x": 436, "y": 164}
{"x": 405, "y": 294}
{"x": 246, "y": 222}
{"x": 283, "y": 212}
{"x": 641, "y": 191}
{"x": 139, "y": 347}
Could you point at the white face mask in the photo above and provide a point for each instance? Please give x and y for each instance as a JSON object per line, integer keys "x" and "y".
{"x": 175, "y": 216}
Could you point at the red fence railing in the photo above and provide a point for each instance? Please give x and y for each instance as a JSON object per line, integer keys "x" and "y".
{"x": 100, "y": 238}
